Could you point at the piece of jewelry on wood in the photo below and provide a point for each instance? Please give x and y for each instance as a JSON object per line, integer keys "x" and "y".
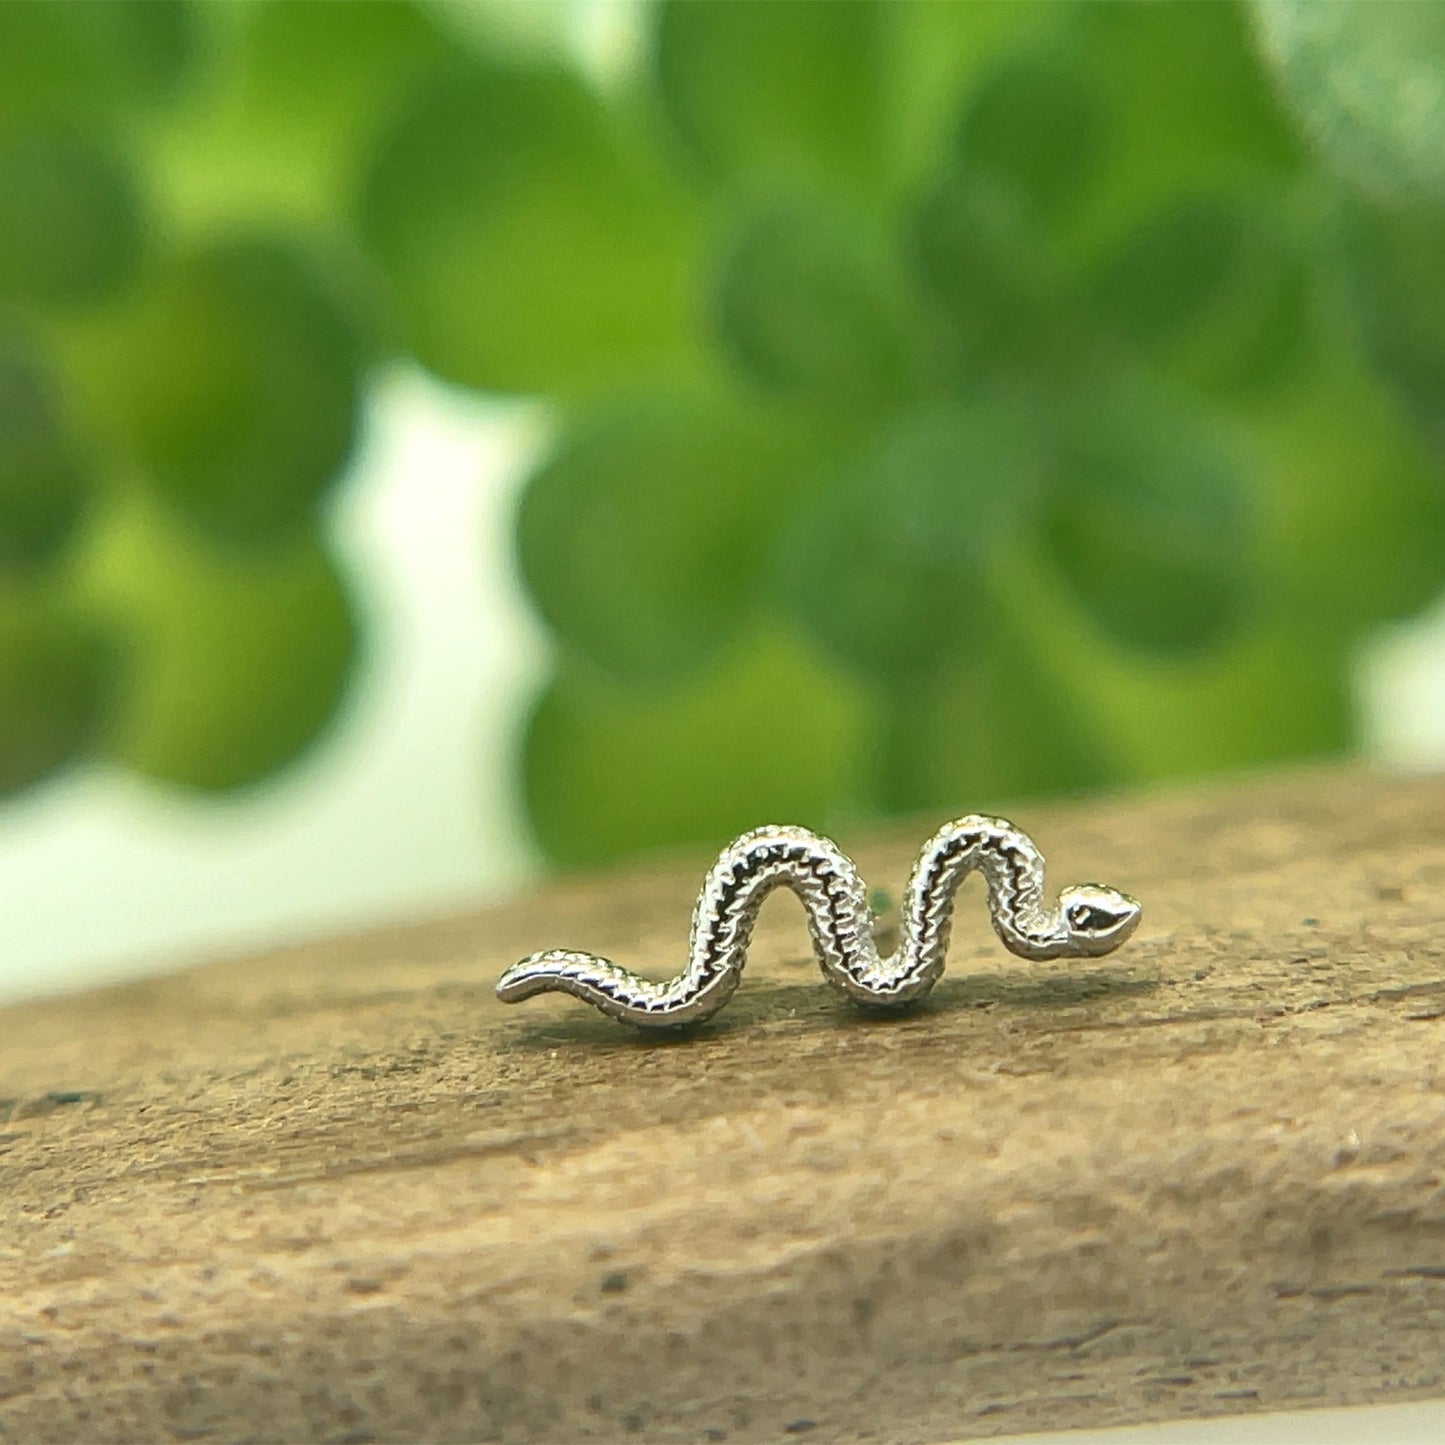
{"x": 1089, "y": 919}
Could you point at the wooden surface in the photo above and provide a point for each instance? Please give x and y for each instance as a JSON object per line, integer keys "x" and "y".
{"x": 341, "y": 1194}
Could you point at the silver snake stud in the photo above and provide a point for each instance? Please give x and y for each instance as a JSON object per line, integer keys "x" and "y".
{"x": 1088, "y": 920}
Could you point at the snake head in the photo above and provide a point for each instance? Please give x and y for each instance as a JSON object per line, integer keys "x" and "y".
{"x": 1097, "y": 918}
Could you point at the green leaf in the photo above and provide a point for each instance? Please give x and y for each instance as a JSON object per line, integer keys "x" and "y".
{"x": 529, "y": 248}
{"x": 65, "y": 60}
{"x": 237, "y": 662}
{"x": 986, "y": 238}
{"x": 71, "y": 227}
{"x": 1191, "y": 108}
{"x": 150, "y": 43}
{"x": 520, "y": 28}
{"x": 56, "y": 677}
{"x": 1273, "y": 696}
{"x": 777, "y": 92}
{"x": 808, "y": 312}
{"x": 1171, "y": 273}
{"x": 1033, "y": 134}
{"x": 235, "y": 380}
{"x": 888, "y": 569}
{"x": 1148, "y": 522}
{"x": 766, "y": 733}
{"x": 1209, "y": 290}
{"x": 317, "y": 78}
{"x": 1392, "y": 263}
{"x": 1066, "y": 152}
{"x": 991, "y": 729}
{"x": 284, "y": 129}
{"x": 1365, "y": 81}
{"x": 1351, "y": 508}
{"x": 936, "y": 53}
{"x": 45, "y": 479}
{"x": 994, "y": 290}
{"x": 1268, "y": 692}
{"x": 642, "y": 538}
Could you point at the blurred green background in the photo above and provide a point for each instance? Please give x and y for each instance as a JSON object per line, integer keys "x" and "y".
{"x": 950, "y": 402}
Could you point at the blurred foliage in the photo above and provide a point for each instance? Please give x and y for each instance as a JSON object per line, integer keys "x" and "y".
{"x": 1365, "y": 81}
{"x": 955, "y": 401}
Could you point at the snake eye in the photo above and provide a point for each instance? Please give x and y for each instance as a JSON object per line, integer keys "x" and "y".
{"x": 1098, "y": 917}
{"x": 1086, "y": 918}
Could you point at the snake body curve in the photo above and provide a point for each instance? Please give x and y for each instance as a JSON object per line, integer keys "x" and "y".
{"x": 1089, "y": 919}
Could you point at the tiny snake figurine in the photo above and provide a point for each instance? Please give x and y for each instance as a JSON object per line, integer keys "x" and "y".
{"x": 1089, "y": 919}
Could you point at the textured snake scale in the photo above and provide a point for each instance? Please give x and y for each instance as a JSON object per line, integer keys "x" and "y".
{"x": 1089, "y": 919}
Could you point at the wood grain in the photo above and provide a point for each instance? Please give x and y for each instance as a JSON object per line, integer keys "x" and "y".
{"x": 338, "y": 1193}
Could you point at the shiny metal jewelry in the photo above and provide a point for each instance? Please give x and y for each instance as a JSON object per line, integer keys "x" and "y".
{"x": 1089, "y": 919}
